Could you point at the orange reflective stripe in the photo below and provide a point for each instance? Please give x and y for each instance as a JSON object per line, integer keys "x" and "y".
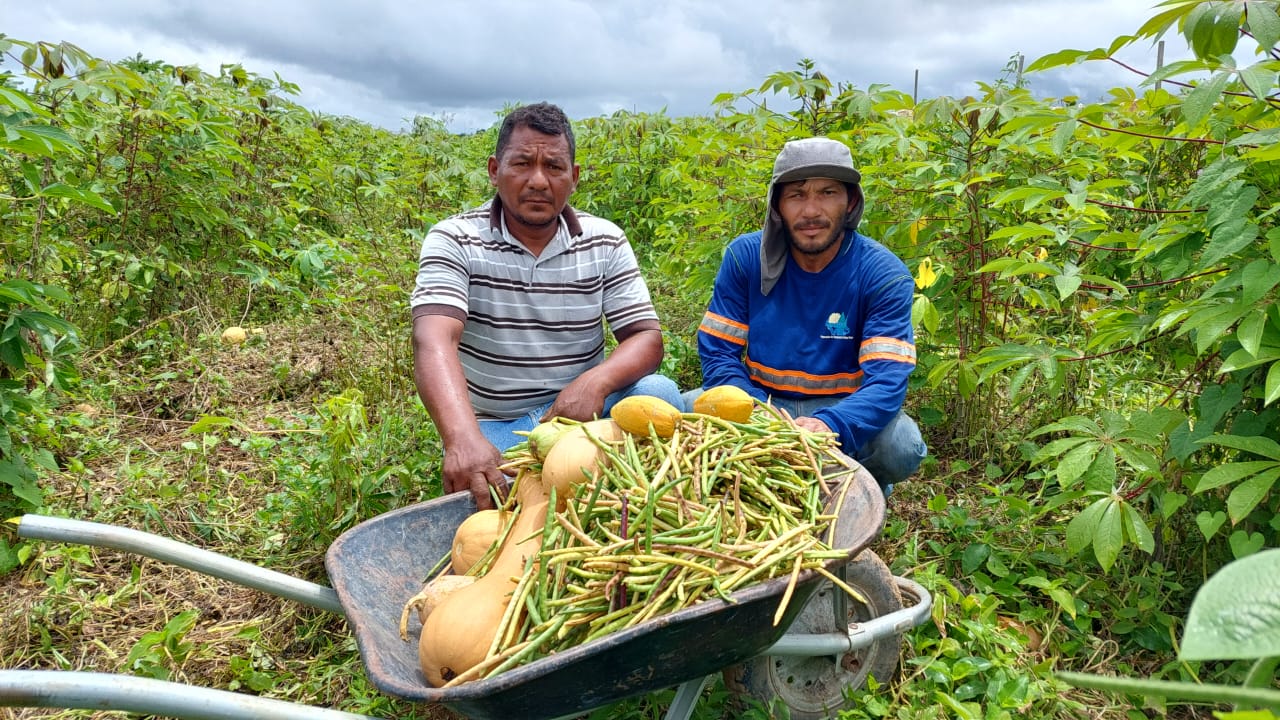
{"x": 803, "y": 375}
{"x": 716, "y": 333}
{"x": 724, "y": 328}
{"x": 804, "y": 383}
{"x": 805, "y": 390}
{"x": 887, "y": 348}
{"x": 722, "y": 319}
{"x": 893, "y": 357}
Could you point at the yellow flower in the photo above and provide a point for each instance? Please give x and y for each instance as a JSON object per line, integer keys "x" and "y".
{"x": 925, "y": 276}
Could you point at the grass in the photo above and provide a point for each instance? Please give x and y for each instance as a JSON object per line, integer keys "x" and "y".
{"x": 132, "y": 460}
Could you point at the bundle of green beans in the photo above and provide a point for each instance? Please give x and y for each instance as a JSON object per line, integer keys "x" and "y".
{"x": 671, "y": 522}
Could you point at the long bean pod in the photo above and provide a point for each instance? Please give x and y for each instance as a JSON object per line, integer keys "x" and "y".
{"x": 666, "y": 523}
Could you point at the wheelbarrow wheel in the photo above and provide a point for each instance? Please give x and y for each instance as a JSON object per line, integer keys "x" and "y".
{"x": 815, "y": 688}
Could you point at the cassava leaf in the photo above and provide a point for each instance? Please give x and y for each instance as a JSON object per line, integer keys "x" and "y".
{"x": 1228, "y": 473}
{"x": 1200, "y": 101}
{"x": 1246, "y": 496}
{"x": 1256, "y": 444}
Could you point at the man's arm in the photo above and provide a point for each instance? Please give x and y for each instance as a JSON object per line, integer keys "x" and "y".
{"x": 722, "y": 336}
{"x": 638, "y": 353}
{"x": 470, "y": 461}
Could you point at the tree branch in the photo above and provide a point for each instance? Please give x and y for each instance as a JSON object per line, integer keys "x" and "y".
{"x": 1200, "y": 366}
{"x": 1207, "y": 141}
{"x": 1152, "y": 211}
{"x": 1083, "y": 244}
{"x": 1157, "y": 283}
{"x": 1117, "y": 351}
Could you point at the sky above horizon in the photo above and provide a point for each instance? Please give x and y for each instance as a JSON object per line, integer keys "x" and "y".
{"x": 386, "y": 62}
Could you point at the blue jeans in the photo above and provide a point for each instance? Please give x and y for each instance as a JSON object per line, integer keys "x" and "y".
{"x": 502, "y": 433}
{"x": 891, "y": 456}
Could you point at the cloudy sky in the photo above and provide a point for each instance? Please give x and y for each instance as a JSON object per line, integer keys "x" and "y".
{"x": 386, "y": 61}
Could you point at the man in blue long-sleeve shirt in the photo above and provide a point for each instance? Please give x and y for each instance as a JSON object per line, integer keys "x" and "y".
{"x": 815, "y": 317}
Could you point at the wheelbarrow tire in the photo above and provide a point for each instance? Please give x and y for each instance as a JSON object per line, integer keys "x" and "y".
{"x": 816, "y": 688}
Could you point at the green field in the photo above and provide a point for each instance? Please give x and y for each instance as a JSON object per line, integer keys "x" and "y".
{"x": 1097, "y": 319}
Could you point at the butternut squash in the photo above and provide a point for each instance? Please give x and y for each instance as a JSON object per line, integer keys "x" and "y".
{"x": 605, "y": 429}
{"x": 457, "y": 634}
{"x": 637, "y": 413}
{"x": 432, "y": 594}
{"x": 575, "y": 457}
{"x": 474, "y": 537}
{"x": 727, "y": 402}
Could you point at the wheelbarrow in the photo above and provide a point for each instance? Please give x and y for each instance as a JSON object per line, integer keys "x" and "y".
{"x": 825, "y": 644}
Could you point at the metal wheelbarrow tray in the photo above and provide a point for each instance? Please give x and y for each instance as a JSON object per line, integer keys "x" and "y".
{"x": 376, "y": 566}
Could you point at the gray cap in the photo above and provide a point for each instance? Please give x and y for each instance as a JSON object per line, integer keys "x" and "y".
{"x": 816, "y": 157}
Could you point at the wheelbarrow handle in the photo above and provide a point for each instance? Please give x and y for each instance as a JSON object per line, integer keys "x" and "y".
{"x": 82, "y": 532}
{"x": 106, "y": 691}
{"x": 863, "y": 634}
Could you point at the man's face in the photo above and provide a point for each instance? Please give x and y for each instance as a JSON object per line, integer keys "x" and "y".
{"x": 814, "y": 211}
{"x": 534, "y": 178}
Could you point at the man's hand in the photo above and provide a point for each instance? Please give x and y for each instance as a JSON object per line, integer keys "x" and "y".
{"x": 812, "y": 424}
{"x": 581, "y": 400}
{"x": 473, "y": 465}
{"x": 638, "y": 353}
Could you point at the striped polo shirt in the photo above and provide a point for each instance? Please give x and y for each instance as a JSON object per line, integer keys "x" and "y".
{"x": 530, "y": 325}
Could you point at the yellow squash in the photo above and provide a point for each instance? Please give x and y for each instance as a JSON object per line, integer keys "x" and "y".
{"x": 637, "y": 413}
{"x": 728, "y": 402}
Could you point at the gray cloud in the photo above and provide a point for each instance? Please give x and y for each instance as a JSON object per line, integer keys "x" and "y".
{"x": 385, "y": 62}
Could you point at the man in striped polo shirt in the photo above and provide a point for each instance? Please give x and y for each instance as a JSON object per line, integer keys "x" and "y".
{"x": 510, "y": 306}
{"x": 816, "y": 317}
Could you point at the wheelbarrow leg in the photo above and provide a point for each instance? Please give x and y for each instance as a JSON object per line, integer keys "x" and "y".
{"x": 686, "y": 698}
{"x": 682, "y": 705}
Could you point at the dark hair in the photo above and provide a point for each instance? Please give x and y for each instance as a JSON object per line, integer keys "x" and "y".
{"x": 543, "y": 117}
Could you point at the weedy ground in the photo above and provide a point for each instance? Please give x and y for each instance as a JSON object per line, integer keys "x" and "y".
{"x": 134, "y": 461}
{"x": 262, "y": 453}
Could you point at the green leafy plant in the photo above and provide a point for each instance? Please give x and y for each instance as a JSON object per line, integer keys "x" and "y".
{"x": 36, "y": 347}
{"x": 159, "y": 653}
{"x": 1253, "y": 480}
{"x": 1087, "y": 463}
{"x": 1097, "y": 324}
{"x": 1233, "y": 617}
